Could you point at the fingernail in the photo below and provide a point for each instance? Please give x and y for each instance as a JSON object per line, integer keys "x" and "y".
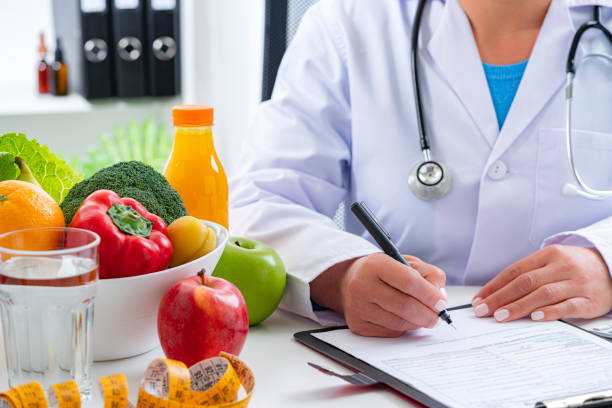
{"x": 481, "y": 310}
{"x": 443, "y": 290}
{"x": 476, "y": 300}
{"x": 438, "y": 322}
{"x": 539, "y": 315}
{"x": 440, "y": 306}
{"x": 501, "y": 315}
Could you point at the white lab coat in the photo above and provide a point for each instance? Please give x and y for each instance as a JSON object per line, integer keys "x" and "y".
{"x": 341, "y": 127}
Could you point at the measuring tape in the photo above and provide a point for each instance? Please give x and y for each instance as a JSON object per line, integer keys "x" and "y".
{"x": 213, "y": 382}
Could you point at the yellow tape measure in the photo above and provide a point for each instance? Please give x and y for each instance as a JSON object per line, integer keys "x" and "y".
{"x": 214, "y": 382}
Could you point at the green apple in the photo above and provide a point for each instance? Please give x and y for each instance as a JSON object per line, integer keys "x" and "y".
{"x": 257, "y": 271}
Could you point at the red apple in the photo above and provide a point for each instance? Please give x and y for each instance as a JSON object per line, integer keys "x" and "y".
{"x": 201, "y": 316}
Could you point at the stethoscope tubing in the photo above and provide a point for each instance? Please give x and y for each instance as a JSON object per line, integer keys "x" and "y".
{"x": 414, "y": 67}
{"x": 593, "y": 24}
{"x": 584, "y": 190}
{"x": 435, "y": 180}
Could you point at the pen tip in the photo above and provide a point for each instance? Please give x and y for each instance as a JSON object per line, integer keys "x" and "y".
{"x": 453, "y": 326}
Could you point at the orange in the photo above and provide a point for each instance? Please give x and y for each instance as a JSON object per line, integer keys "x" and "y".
{"x": 25, "y": 205}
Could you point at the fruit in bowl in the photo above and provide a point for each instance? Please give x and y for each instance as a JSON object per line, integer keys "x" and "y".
{"x": 190, "y": 239}
{"x": 201, "y": 316}
{"x": 126, "y": 308}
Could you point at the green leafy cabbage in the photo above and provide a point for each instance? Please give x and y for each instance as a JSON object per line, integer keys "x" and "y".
{"x": 54, "y": 175}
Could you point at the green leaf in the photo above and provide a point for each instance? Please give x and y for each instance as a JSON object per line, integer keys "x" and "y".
{"x": 54, "y": 175}
{"x": 8, "y": 168}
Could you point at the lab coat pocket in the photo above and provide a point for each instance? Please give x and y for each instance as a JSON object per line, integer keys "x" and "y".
{"x": 555, "y": 211}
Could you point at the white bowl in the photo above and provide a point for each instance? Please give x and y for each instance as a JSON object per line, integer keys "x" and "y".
{"x": 125, "y": 317}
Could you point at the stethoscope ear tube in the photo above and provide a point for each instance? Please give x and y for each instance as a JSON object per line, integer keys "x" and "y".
{"x": 595, "y": 23}
{"x": 573, "y": 190}
{"x": 582, "y": 189}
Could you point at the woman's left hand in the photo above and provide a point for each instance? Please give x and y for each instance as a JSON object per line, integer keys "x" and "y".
{"x": 555, "y": 282}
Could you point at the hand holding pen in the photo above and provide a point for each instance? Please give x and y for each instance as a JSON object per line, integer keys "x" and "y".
{"x": 418, "y": 283}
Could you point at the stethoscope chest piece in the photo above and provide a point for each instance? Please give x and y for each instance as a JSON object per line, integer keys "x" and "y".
{"x": 430, "y": 180}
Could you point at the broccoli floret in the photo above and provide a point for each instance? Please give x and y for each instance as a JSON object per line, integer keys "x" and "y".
{"x": 129, "y": 179}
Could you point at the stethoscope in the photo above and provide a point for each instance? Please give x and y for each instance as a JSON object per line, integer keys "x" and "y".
{"x": 582, "y": 189}
{"x": 431, "y": 180}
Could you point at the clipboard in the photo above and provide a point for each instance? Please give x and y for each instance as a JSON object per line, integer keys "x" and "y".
{"x": 371, "y": 375}
{"x": 366, "y": 374}
{"x": 377, "y": 376}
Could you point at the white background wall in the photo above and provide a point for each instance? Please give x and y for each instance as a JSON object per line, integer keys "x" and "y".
{"x": 222, "y": 57}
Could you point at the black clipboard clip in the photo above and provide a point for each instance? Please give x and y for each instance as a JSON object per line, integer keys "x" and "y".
{"x": 601, "y": 399}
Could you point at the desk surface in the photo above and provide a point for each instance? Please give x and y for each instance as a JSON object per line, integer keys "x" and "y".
{"x": 282, "y": 377}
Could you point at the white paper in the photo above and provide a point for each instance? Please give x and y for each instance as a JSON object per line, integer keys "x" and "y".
{"x": 485, "y": 364}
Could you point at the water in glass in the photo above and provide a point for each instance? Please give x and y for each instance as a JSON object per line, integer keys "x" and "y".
{"x": 47, "y": 316}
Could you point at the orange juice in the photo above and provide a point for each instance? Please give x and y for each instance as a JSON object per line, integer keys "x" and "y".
{"x": 194, "y": 169}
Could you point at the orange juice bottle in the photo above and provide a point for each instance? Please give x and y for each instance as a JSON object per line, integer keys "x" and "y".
{"x": 193, "y": 168}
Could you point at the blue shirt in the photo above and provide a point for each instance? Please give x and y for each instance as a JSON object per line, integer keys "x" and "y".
{"x": 503, "y": 83}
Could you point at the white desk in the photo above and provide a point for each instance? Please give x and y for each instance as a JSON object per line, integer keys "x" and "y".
{"x": 282, "y": 377}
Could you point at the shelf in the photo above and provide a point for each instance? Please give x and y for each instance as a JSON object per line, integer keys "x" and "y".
{"x": 25, "y": 104}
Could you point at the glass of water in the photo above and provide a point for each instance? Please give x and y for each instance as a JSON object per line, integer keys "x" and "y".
{"x": 48, "y": 280}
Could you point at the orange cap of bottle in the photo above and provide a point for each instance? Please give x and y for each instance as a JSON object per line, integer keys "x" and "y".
{"x": 192, "y": 115}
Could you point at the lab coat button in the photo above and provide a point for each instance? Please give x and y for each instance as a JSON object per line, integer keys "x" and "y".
{"x": 498, "y": 170}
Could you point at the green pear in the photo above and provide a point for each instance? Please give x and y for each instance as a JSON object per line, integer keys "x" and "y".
{"x": 15, "y": 168}
{"x": 26, "y": 174}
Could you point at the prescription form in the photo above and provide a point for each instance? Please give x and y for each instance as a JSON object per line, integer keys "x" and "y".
{"x": 485, "y": 364}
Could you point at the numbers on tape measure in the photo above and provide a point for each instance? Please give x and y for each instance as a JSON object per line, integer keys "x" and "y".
{"x": 213, "y": 382}
{"x": 65, "y": 395}
{"x": 114, "y": 391}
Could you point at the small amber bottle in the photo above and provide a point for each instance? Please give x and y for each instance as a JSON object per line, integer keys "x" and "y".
{"x": 43, "y": 67}
{"x": 59, "y": 71}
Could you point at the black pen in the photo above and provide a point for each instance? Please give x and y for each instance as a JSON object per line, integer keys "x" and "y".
{"x": 366, "y": 218}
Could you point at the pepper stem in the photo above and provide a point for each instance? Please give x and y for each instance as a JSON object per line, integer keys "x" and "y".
{"x": 2, "y": 197}
{"x": 129, "y": 221}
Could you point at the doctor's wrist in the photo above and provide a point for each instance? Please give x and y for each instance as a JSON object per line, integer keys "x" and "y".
{"x": 326, "y": 289}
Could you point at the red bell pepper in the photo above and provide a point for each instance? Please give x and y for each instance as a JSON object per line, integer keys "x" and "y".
{"x": 133, "y": 241}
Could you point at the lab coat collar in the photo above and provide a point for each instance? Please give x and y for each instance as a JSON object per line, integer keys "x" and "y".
{"x": 460, "y": 64}
{"x": 544, "y": 76}
{"x": 455, "y": 54}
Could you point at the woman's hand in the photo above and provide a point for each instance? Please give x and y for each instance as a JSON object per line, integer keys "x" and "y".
{"x": 553, "y": 283}
{"x": 383, "y": 298}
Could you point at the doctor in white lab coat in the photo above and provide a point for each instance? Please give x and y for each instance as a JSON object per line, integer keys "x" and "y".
{"x": 341, "y": 127}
